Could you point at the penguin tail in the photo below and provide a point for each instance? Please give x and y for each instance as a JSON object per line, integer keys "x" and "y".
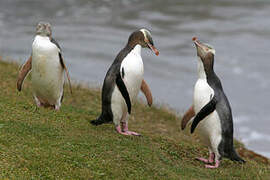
{"x": 236, "y": 157}
{"x": 100, "y": 120}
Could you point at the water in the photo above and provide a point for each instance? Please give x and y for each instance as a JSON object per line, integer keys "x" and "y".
{"x": 92, "y": 32}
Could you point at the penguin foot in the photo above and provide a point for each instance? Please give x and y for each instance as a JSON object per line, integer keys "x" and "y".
{"x": 209, "y": 160}
{"x": 203, "y": 160}
{"x": 125, "y": 129}
{"x": 119, "y": 130}
{"x": 126, "y": 132}
{"x": 213, "y": 166}
{"x": 56, "y": 107}
{"x": 132, "y": 133}
{"x": 129, "y": 133}
{"x": 96, "y": 122}
{"x": 38, "y": 103}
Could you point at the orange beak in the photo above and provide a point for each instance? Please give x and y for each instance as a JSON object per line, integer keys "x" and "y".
{"x": 198, "y": 44}
{"x": 152, "y": 47}
{"x": 195, "y": 40}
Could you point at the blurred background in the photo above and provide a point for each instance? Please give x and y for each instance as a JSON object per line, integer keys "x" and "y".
{"x": 92, "y": 32}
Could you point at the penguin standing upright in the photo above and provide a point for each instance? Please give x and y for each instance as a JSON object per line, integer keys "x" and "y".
{"x": 47, "y": 65}
{"x": 123, "y": 81}
{"x": 212, "y": 111}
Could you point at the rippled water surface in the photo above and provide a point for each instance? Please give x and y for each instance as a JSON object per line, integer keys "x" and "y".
{"x": 92, "y": 32}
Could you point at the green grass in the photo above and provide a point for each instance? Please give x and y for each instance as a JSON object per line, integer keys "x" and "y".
{"x": 44, "y": 144}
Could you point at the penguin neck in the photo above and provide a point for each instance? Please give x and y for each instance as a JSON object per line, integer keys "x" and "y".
{"x": 201, "y": 70}
{"x": 205, "y": 73}
{"x": 135, "y": 49}
{"x": 42, "y": 38}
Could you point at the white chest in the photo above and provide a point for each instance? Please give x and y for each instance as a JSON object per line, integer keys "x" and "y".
{"x": 47, "y": 73}
{"x": 42, "y": 46}
{"x": 203, "y": 93}
{"x": 132, "y": 69}
{"x": 209, "y": 128}
{"x": 45, "y": 56}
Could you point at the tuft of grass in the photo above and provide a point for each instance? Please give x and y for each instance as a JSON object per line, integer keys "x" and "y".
{"x": 45, "y": 144}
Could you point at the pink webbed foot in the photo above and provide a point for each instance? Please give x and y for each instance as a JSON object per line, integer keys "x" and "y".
{"x": 127, "y": 133}
{"x": 213, "y": 166}
{"x": 202, "y": 159}
{"x": 209, "y": 160}
{"x": 57, "y": 108}
{"x": 38, "y": 103}
{"x": 119, "y": 130}
{"x": 132, "y": 133}
{"x": 125, "y": 129}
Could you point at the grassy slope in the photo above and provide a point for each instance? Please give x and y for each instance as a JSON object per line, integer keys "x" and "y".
{"x": 44, "y": 144}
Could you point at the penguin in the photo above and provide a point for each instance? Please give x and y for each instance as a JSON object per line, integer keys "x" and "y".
{"x": 123, "y": 81}
{"x": 211, "y": 111}
{"x": 47, "y": 65}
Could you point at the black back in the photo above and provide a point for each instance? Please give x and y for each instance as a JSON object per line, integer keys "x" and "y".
{"x": 223, "y": 108}
{"x": 113, "y": 78}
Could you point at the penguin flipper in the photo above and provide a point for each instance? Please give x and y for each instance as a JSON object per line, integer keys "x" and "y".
{"x": 56, "y": 43}
{"x": 123, "y": 89}
{"x": 147, "y": 92}
{"x": 24, "y": 72}
{"x": 205, "y": 111}
{"x": 62, "y": 62}
{"x": 66, "y": 70}
{"x": 187, "y": 117}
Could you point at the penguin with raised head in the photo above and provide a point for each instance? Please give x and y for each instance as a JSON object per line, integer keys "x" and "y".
{"x": 212, "y": 111}
{"x": 47, "y": 65}
{"x": 123, "y": 81}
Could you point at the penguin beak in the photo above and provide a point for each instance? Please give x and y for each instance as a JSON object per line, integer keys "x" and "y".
{"x": 202, "y": 49}
{"x": 197, "y": 43}
{"x": 152, "y": 47}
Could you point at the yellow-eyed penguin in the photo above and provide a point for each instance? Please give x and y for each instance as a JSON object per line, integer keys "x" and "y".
{"x": 123, "y": 81}
{"x": 47, "y": 65}
{"x": 212, "y": 111}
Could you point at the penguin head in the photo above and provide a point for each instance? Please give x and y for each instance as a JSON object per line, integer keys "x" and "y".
{"x": 144, "y": 38}
{"x": 205, "y": 52}
{"x": 44, "y": 29}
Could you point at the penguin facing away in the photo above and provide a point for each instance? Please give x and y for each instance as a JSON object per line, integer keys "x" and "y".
{"x": 212, "y": 111}
{"x": 47, "y": 65}
{"x": 123, "y": 81}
